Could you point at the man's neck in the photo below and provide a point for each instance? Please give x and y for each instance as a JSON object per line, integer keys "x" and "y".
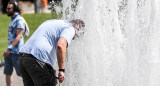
{"x": 14, "y": 14}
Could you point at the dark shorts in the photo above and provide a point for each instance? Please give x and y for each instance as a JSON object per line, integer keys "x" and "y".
{"x": 10, "y": 62}
{"x": 35, "y": 72}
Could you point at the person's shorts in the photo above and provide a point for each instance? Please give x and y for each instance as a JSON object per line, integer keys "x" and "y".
{"x": 10, "y": 62}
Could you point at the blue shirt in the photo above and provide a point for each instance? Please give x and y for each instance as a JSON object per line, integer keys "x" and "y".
{"x": 42, "y": 44}
{"x": 17, "y": 22}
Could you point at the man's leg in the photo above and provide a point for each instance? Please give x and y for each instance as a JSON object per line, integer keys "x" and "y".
{"x": 15, "y": 58}
{"x": 46, "y": 75}
{"x": 8, "y": 69}
{"x": 41, "y": 74}
{"x": 9, "y": 80}
{"x": 27, "y": 80}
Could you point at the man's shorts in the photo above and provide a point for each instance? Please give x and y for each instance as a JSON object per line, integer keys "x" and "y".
{"x": 10, "y": 62}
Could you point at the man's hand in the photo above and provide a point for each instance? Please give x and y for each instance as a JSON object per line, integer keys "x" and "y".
{"x": 6, "y": 53}
{"x": 61, "y": 76}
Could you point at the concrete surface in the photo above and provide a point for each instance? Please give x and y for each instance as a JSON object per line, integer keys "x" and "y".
{"x": 17, "y": 81}
{"x": 28, "y": 7}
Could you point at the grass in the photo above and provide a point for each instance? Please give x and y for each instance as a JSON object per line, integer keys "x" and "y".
{"x": 33, "y": 20}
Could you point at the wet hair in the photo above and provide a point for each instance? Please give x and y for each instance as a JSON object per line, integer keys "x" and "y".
{"x": 15, "y": 7}
{"x": 79, "y": 27}
{"x": 77, "y": 22}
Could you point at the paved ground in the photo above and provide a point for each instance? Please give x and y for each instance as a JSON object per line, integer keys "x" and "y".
{"x": 17, "y": 81}
{"x": 28, "y": 7}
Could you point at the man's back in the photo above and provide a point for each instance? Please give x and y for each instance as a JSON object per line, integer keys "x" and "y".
{"x": 43, "y": 42}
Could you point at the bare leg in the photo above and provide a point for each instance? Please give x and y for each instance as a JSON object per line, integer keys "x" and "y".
{"x": 9, "y": 80}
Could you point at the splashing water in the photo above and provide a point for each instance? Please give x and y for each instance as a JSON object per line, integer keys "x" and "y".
{"x": 57, "y": 7}
{"x": 120, "y": 45}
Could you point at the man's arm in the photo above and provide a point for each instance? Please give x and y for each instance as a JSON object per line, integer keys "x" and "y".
{"x": 15, "y": 42}
{"x": 18, "y": 37}
{"x": 61, "y": 52}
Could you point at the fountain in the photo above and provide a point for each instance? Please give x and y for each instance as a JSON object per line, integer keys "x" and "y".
{"x": 120, "y": 45}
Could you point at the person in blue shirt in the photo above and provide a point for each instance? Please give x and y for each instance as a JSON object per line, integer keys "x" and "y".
{"x": 15, "y": 41}
{"x": 43, "y": 49}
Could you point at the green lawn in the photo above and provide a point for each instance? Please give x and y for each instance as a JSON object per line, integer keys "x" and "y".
{"x": 33, "y": 20}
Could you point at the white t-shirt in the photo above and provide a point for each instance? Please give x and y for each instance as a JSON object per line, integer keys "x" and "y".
{"x": 42, "y": 44}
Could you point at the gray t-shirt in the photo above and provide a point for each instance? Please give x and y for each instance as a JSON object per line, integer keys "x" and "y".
{"x": 42, "y": 44}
